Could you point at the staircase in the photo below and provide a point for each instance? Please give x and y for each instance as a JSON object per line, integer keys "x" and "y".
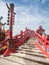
{"x": 27, "y": 54}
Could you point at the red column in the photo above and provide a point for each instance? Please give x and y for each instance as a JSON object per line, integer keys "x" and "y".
{"x": 11, "y": 25}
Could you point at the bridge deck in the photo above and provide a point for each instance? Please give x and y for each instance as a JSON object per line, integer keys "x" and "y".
{"x": 27, "y": 54}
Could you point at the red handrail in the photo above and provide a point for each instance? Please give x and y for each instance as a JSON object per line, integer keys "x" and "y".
{"x": 42, "y": 40}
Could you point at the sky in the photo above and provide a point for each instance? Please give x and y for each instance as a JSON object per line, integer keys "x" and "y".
{"x": 29, "y": 13}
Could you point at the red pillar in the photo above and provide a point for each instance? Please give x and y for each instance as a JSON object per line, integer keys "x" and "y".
{"x": 11, "y": 26}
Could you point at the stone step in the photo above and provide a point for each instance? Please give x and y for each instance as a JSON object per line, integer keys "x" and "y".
{"x": 32, "y": 58}
{"x": 29, "y": 50}
{"x": 26, "y": 47}
{"x": 6, "y": 61}
{"x": 33, "y": 54}
{"x": 27, "y": 55}
{"x": 19, "y": 60}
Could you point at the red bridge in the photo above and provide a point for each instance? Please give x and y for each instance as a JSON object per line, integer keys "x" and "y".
{"x": 10, "y": 44}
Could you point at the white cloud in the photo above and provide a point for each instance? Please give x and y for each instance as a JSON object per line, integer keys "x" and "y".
{"x": 24, "y": 0}
{"x": 3, "y": 11}
{"x": 43, "y": 1}
{"x": 24, "y": 19}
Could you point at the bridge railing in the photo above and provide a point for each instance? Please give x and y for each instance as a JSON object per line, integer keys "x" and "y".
{"x": 3, "y": 43}
{"x": 42, "y": 43}
{"x": 20, "y": 39}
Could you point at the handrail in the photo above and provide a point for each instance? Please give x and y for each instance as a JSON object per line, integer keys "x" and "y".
{"x": 19, "y": 39}
{"x": 23, "y": 36}
{"x": 43, "y": 40}
{"x": 2, "y": 42}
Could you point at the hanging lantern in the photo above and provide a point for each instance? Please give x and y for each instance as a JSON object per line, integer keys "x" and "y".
{"x": 8, "y": 22}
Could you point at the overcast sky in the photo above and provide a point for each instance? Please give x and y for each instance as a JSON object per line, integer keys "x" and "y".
{"x": 29, "y": 13}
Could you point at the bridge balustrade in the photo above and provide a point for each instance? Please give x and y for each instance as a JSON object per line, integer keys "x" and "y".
{"x": 42, "y": 43}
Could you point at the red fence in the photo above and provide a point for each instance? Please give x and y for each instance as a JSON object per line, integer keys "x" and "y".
{"x": 3, "y": 45}
{"x": 42, "y": 43}
{"x": 20, "y": 39}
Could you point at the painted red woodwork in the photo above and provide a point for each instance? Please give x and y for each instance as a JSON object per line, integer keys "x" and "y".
{"x": 42, "y": 43}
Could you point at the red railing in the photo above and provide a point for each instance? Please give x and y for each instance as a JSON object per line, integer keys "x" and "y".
{"x": 42, "y": 43}
{"x": 20, "y": 39}
{"x": 3, "y": 45}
